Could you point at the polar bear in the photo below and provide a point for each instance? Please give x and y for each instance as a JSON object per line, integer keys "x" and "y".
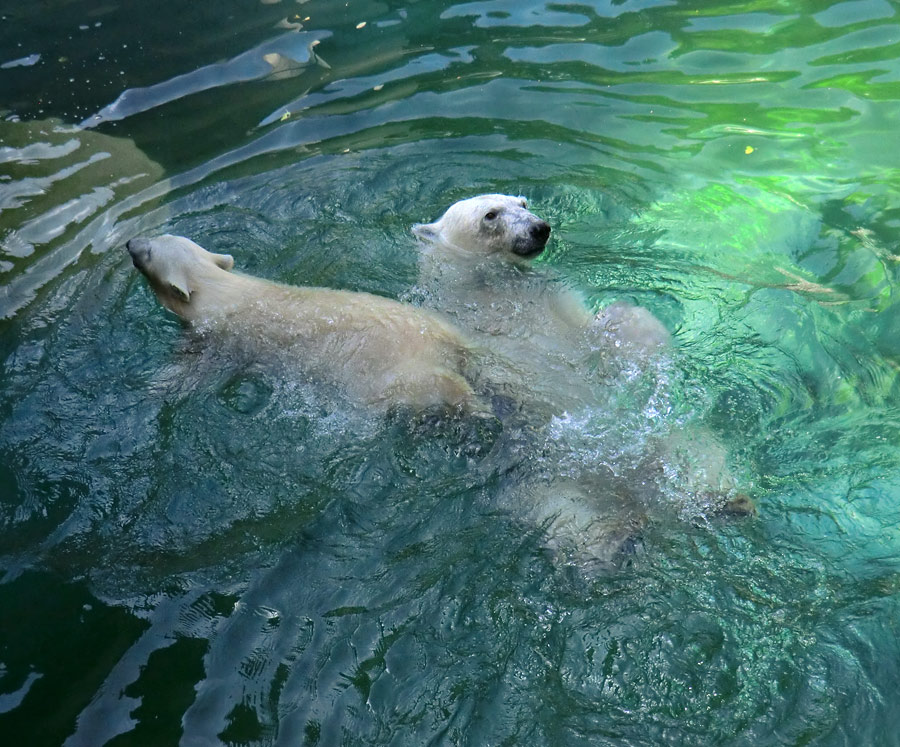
{"x": 475, "y": 267}
{"x": 481, "y": 247}
{"x": 375, "y": 350}
{"x": 550, "y": 348}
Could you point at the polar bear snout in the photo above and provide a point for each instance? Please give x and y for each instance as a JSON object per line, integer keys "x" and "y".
{"x": 139, "y": 249}
{"x": 534, "y": 242}
{"x": 541, "y": 231}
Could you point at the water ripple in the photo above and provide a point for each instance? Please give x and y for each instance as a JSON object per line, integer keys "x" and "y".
{"x": 241, "y": 559}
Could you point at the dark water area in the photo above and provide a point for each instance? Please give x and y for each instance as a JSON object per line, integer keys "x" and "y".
{"x": 196, "y": 550}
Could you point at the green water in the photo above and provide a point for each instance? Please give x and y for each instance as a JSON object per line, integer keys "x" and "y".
{"x": 198, "y": 553}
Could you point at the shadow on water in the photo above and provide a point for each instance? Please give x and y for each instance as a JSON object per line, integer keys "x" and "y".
{"x": 199, "y": 551}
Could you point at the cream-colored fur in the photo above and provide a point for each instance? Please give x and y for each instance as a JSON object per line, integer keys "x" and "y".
{"x": 475, "y": 267}
{"x": 376, "y": 350}
{"x": 478, "y": 251}
{"x": 555, "y": 356}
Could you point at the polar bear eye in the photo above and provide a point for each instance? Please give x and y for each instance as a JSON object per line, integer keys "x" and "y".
{"x": 490, "y": 216}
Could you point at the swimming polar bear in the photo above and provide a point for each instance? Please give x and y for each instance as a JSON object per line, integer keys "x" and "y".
{"x": 554, "y": 357}
{"x": 493, "y": 231}
{"x": 474, "y": 267}
{"x": 375, "y": 350}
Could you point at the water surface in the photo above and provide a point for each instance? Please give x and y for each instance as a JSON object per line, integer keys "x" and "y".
{"x": 199, "y": 553}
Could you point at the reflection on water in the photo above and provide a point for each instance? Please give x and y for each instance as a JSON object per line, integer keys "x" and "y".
{"x": 59, "y": 178}
{"x": 285, "y": 56}
{"x": 200, "y": 552}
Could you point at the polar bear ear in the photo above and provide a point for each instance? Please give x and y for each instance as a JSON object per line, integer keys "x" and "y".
{"x": 181, "y": 292}
{"x": 178, "y": 286}
{"x": 425, "y": 231}
{"x": 225, "y": 261}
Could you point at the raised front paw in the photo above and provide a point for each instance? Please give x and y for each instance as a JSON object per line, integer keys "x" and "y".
{"x": 633, "y": 326}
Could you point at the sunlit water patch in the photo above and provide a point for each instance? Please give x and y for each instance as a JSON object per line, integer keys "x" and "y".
{"x": 202, "y": 550}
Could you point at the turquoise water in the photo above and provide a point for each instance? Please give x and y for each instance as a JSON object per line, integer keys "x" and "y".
{"x": 196, "y": 552}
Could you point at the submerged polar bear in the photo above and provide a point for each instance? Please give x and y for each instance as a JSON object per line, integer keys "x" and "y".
{"x": 375, "y": 350}
{"x": 496, "y": 231}
{"x": 550, "y": 349}
{"x": 474, "y": 266}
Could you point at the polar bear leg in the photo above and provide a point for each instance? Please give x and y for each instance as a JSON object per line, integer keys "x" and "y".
{"x": 422, "y": 389}
{"x": 585, "y": 525}
{"x": 693, "y": 464}
{"x": 632, "y": 326}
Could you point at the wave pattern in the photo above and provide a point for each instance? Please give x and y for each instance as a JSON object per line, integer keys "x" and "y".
{"x": 197, "y": 552}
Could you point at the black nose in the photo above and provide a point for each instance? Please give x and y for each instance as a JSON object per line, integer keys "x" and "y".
{"x": 540, "y": 231}
{"x": 139, "y": 249}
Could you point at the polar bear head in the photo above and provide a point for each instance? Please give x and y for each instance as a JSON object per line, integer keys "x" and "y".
{"x": 488, "y": 224}
{"x": 175, "y": 267}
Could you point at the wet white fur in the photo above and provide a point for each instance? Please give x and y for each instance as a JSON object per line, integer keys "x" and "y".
{"x": 556, "y": 356}
{"x": 376, "y": 350}
{"x": 470, "y": 270}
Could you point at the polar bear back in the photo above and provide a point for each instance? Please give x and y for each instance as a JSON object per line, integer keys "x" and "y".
{"x": 375, "y": 349}
{"x": 378, "y": 349}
